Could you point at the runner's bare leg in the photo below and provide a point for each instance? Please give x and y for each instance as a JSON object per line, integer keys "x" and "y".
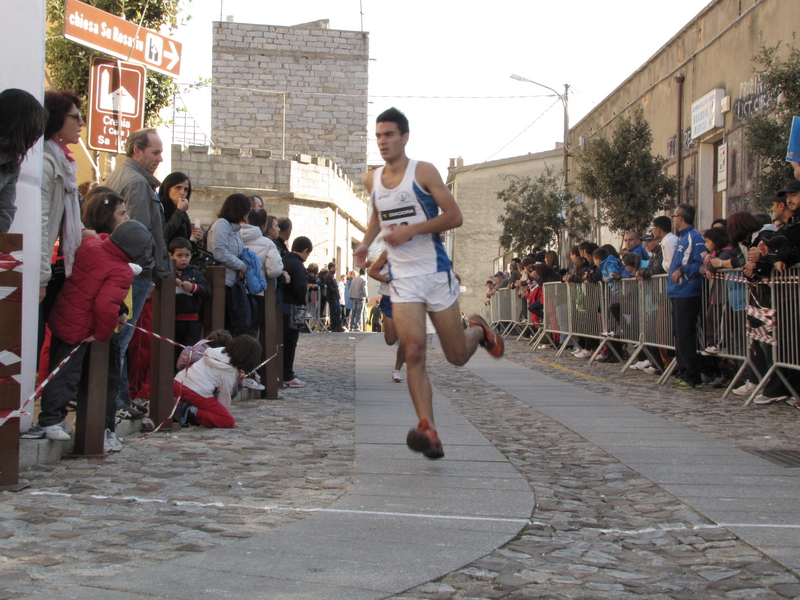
{"x": 458, "y": 344}
{"x": 409, "y": 320}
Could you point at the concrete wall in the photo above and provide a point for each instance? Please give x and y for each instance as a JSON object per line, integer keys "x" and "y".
{"x": 322, "y": 75}
{"x": 712, "y": 51}
{"x": 323, "y": 204}
{"x": 475, "y": 243}
{"x": 23, "y": 38}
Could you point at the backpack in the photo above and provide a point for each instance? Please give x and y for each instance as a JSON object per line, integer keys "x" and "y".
{"x": 242, "y": 311}
{"x": 255, "y": 282}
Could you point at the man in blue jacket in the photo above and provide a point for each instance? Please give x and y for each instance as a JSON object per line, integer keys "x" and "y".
{"x": 684, "y": 289}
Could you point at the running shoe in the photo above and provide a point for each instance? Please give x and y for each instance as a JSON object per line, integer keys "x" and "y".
{"x": 762, "y": 399}
{"x": 130, "y": 412}
{"x": 745, "y": 390}
{"x": 295, "y": 383}
{"x": 423, "y": 438}
{"x": 396, "y": 377}
{"x": 251, "y": 384}
{"x": 111, "y": 443}
{"x": 710, "y": 351}
{"x": 680, "y": 384}
{"x": 492, "y": 341}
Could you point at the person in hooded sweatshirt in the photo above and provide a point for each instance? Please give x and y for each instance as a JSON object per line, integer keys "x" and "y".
{"x": 205, "y": 388}
{"x": 89, "y": 307}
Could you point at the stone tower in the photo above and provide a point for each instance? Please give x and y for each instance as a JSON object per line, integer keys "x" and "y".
{"x": 307, "y": 76}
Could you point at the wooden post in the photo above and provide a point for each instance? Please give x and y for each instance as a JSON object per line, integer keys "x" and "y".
{"x": 10, "y": 359}
{"x": 162, "y": 354}
{"x": 214, "y": 311}
{"x": 271, "y": 337}
{"x": 90, "y": 417}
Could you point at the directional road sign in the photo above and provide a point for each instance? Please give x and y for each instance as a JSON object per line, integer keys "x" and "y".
{"x": 116, "y": 103}
{"x": 89, "y": 26}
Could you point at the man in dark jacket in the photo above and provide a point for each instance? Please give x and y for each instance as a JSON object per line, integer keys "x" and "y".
{"x": 334, "y": 301}
{"x": 293, "y": 294}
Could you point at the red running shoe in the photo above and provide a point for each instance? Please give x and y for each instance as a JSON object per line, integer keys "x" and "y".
{"x": 423, "y": 438}
{"x": 492, "y": 341}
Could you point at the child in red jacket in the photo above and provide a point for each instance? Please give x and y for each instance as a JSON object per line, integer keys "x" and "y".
{"x": 89, "y": 307}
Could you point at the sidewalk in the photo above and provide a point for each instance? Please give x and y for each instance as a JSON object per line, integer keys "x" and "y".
{"x": 316, "y": 495}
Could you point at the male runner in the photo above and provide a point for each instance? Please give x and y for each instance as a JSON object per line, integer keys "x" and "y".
{"x": 411, "y": 206}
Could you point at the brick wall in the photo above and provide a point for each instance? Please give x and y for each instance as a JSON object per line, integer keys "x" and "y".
{"x": 323, "y": 74}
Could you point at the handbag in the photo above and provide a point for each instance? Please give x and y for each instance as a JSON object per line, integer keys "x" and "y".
{"x": 297, "y": 316}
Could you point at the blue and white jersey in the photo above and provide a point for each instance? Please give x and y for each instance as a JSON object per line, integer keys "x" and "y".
{"x": 407, "y": 204}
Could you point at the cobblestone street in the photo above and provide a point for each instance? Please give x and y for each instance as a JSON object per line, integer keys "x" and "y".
{"x": 599, "y": 530}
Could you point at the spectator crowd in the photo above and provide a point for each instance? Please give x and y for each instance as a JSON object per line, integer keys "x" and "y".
{"x": 757, "y": 245}
{"x": 103, "y": 247}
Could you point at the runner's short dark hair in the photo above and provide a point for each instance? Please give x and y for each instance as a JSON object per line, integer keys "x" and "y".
{"x": 392, "y": 115}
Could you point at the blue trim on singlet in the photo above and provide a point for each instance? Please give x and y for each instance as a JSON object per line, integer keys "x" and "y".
{"x": 428, "y": 204}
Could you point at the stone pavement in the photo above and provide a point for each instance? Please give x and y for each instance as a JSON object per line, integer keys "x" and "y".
{"x": 640, "y": 492}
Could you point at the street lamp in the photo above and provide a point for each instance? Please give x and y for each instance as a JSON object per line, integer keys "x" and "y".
{"x": 564, "y": 100}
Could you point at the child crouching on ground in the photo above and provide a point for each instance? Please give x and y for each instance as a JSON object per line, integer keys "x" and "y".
{"x": 88, "y": 308}
{"x": 205, "y": 388}
{"x": 191, "y": 354}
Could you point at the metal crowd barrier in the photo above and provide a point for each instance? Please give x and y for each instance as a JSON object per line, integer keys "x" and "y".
{"x": 785, "y": 288}
{"x": 314, "y": 312}
{"x": 724, "y": 321}
{"x": 639, "y": 313}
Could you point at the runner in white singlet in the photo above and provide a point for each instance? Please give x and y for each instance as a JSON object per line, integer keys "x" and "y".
{"x": 411, "y": 207}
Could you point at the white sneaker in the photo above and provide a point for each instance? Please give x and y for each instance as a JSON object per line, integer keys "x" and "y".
{"x": 54, "y": 432}
{"x": 111, "y": 443}
{"x": 710, "y": 351}
{"x": 66, "y": 427}
{"x": 396, "y": 377}
{"x": 584, "y": 354}
{"x": 294, "y": 383}
{"x": 762, "y": 399}
{"x": 745, "y": 390}
{"x": 651, "y": 370}
{"x": 641, "y": 365}
{"x": 576, "y": 351}
{"x": 252, "y": 384}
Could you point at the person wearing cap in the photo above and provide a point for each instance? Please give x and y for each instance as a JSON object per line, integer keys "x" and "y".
{"x": 90, "y": 306}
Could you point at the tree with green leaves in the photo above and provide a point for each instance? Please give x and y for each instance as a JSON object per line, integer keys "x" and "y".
{"x": 68, "y": 62}
{"x": 767, "y": 132}
{"x": 538, "y": 212}
{"x": 624, "y": 177}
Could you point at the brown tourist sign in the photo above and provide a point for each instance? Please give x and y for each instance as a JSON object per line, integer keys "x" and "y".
{"x": 89, "y": 26}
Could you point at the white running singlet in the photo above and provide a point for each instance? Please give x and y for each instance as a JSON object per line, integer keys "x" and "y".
{"x": 407, "y": 204}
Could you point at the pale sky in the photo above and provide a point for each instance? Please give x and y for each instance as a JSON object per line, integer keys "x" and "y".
{"x": 438, "y": 61}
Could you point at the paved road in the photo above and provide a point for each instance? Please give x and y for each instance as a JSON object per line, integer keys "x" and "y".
{"x": 560, "y": 480}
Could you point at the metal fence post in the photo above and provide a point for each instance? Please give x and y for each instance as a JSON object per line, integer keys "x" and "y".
{"x": 271, "y": 337}
{"x": 214, "y": 310}
{"x": 162, "y": 354}
{"x": 10, "y": 360}
{"x": 92, "y": 396}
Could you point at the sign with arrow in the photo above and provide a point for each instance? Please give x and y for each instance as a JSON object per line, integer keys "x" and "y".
{"x": 116, "y": 103}
{"x": 89, "y": 26}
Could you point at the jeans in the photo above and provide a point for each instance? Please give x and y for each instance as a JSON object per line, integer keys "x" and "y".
{"x": 141, "y": 289}
{"x": 355, "y": 317}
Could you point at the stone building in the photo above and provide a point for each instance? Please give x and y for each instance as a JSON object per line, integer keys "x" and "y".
{"x": 289, "y": 123}
{"x": 697, "y": 91}
{"x": 476, "y": 252}
{"x": 292, "y": 90}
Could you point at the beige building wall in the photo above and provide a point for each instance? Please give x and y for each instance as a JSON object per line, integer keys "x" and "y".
{"x": 319, "y": 73}
{"x": 323, "y": 203}
{"x": 475, "y": 244}
{"x": 713, "y": 51}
